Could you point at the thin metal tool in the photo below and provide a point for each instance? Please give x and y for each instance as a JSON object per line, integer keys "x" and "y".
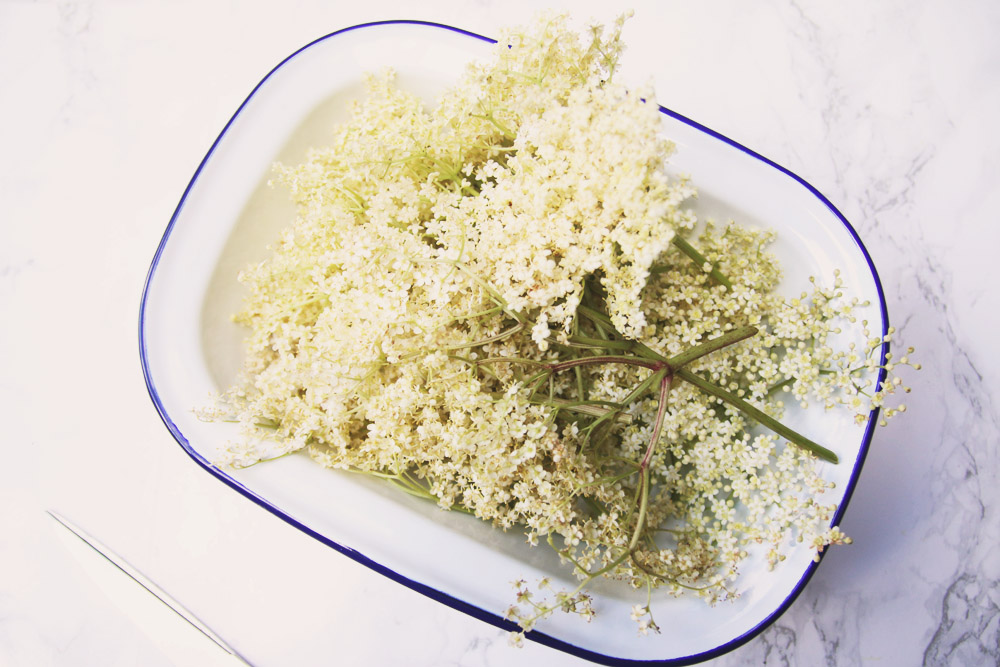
{"x": 139, "y": 578}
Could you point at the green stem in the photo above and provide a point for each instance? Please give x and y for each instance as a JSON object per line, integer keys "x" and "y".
{"x": 711, "y": 345}
{"x": 486, "y": 341}
{"x": 586, "y": 341}
{"x": 681, "y": 244}
{"x": 510, "y": 360}
{"x": 605, "y": 359}
{"x": 779, "y": 386}
{"x": 590, "y": 408}
{"x": 764, "y": 419}
{"x": 598, "y": 317}
{"x": 643, "y": 387}
{"x": 640, "y": 520}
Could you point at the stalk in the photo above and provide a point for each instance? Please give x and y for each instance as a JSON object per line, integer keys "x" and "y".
{"x": 662, "y": 367}
{"x": 681, "y": 244}
{"x": 605, "y": 359}
{"x": 754, "y": 413}
{"x": 709, "y": 346}
{"x": 640, "y": 521}
{"x": 604, "y": 322}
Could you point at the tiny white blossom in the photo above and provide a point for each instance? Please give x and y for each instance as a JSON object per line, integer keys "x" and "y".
{"x": 460, "y": 302}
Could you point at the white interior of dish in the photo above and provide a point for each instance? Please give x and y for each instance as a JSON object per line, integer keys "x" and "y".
{"x": 229, "y": 217}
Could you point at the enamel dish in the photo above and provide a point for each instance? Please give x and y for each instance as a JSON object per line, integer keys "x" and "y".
{"x": 228, "y": 216}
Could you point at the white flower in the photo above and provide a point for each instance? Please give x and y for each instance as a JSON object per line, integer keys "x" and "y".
{"x": 412, "y": 321}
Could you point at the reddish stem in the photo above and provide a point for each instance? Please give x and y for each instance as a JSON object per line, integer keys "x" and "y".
{"x": 658, "y": 424}
{"x": 644, "y": 465}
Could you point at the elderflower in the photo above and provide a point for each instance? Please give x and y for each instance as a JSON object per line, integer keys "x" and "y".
{"x": 495, "y": 305}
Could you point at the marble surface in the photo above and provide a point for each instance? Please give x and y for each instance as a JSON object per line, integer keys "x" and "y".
{"x": 888, "y": 108}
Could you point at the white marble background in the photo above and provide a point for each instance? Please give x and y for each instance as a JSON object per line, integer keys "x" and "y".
{"x": 889, "y": 108}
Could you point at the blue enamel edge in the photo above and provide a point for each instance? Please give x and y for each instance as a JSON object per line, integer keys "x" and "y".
{"x": 433, "y": 593}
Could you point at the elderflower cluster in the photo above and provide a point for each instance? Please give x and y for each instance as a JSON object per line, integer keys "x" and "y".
{"x": 484, "y": 303}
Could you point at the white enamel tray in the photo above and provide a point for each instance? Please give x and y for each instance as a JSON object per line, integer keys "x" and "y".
{"x": 228, "y": 216}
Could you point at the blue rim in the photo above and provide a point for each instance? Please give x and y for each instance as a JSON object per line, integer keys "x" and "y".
{"x": 433, "y": 593}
